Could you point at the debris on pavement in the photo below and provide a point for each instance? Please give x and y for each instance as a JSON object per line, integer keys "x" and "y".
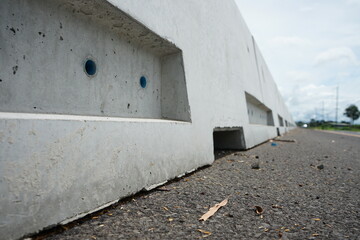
{"x": 205, "y": 232}
{"x": 255, "y": 166}
{"x": 284, "y": 140}
{"x": 320, "y": 167}
{"x": 213, "y": 210}
{"x": 162, "y": 189}
{"x": 259, "y": 210}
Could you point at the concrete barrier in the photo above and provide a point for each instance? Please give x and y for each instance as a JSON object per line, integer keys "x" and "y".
{"x": 101, "y": 99}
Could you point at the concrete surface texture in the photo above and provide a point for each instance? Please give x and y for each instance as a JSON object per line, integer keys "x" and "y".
{"x": 307, "y": 189}
{"x": 100, "y": 99}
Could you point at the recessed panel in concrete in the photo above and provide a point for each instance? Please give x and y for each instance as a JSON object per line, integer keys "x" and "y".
{"x": 229, "y": 138}
{"x": 87, "y": 58}
{"x": 281, "y": 121}
{"x": 258, "y": 112}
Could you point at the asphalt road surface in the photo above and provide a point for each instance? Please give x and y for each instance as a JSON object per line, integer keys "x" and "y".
{"x": 308, "y": 189}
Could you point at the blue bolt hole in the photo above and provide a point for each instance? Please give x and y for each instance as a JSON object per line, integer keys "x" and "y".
{"x": 143, "y": 82}
{"x": 90, "y": 67}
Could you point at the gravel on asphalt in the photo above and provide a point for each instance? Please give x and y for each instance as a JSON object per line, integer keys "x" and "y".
{"x": 307, "y": 189}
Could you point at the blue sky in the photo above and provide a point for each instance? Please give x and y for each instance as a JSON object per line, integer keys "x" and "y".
{"x": 311, "y": 47}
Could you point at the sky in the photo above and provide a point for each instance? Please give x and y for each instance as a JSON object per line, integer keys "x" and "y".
{"x": 311, "y": 47}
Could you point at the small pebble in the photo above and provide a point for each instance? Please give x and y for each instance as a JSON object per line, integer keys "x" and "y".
{"x": 255, "y": 166}
{"x": 320, "y": 167}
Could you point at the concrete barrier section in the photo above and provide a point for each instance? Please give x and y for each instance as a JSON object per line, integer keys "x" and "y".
{"x": 101, "y": 99}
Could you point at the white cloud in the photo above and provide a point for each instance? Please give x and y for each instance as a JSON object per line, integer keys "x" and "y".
{"x": 306, "y": 101}
{"x": 357, "y": 2}
{"x": 344, "y": 74}
{"x": 281, "y": 40}
{"x": 341, "y": 55}
{"x": 297, "y": 76}
{"x": 307, "y": 9}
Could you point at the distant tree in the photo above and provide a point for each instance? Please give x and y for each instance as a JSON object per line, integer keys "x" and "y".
{"x": 352, "y": 112}
{"x": 312, "y": 123}
{"x": 299, "y": 123}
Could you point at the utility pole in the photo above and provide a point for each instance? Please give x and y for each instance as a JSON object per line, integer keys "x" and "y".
{"x": 337, "y": 103}
{"x": 323, "y": 111}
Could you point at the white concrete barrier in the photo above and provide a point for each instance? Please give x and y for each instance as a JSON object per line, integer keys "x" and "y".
{"x": 100, "y": 99}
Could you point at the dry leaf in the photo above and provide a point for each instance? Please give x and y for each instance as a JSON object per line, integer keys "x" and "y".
{"x": 213, "y": 210}
{"x": 259, "y": 210}
{"x": 316, "y": 219}
{"x": 285, "y": 140}
{"x": 287, "y": 230}
{"x": 204, "y": 231}
{"x": 170, "y": 219}
{"x": 163, "y": 189}
{"x": 165, "y": 208}
{"x": 315, "y": 234}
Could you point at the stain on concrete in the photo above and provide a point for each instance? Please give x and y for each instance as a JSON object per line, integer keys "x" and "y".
{"x": 10, "y": 140}
{"x": 13, "y": 30}
{"x": 102, "y": 106}
{"x": 15, "y": 68}
{"x": 32, "y": 133}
